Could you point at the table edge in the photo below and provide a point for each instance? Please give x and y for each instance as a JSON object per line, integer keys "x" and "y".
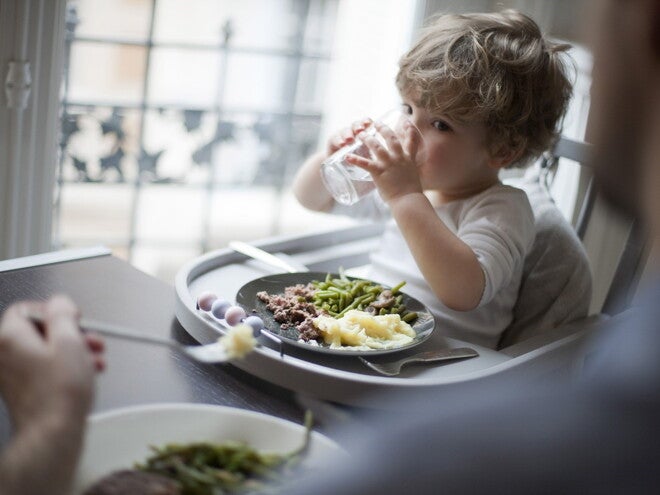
{"x": 53, "y": 257}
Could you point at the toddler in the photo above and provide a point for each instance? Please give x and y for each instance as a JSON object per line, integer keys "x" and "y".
{"x": 485, "y": 92}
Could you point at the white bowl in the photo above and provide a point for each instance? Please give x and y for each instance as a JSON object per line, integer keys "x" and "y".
{"x": 117, "y": 439}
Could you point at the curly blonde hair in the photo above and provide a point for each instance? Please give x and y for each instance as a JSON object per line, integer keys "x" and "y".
{"x": 494, "y": 68}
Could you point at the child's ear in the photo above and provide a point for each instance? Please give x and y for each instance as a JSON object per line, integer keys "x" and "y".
{"x": 503, "y": 158}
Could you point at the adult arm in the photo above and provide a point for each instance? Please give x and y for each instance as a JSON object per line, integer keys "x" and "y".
{"x": 46, "y": 381}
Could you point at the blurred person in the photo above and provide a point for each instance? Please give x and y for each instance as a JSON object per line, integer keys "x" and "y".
{"x": 483, "y": 92}
{"x": 598, "y": 435}
{"x": 47, "y": 382}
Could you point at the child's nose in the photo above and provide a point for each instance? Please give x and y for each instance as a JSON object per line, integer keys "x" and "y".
{"x": 416, "y": 121}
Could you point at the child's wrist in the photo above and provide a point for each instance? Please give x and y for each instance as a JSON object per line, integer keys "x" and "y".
{"x": 407, "y": 200}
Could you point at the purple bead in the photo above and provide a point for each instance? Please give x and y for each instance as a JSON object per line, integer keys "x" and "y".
{"x": 205, "y": 301}
{"x": 256, "y": 323}
{"x": 234, "y": 315}
{"x": 219, "y": 308}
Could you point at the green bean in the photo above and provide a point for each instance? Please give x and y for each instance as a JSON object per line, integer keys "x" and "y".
{"x": 398, "y": 286}
{"x": 230, "y": 467}
{"x": 410, "y": 317}
{"x": 337, "y": 295}
{"x": 324, "y": 294}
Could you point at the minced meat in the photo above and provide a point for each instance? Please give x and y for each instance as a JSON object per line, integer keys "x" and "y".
{"x": 294, "y": 309}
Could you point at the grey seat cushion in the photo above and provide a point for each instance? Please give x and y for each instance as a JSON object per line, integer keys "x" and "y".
{"x": 557, "y": 283}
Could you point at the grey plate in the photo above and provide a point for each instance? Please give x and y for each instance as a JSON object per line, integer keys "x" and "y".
{"x": 275, "y": 284}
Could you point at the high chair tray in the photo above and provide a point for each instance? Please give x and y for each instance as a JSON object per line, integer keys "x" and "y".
{"x": 338, "y": 378}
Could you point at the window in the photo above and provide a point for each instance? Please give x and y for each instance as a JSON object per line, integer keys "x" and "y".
{"x": 183, "y": 123}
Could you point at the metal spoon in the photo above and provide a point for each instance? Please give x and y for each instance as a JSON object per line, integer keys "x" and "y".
{"x": 393, "y": 368}
{"x": 208, "y": 353}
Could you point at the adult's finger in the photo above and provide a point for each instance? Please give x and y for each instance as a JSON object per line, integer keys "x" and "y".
{"x": 61, "y": 316}
{"x": 15, "y": 322}
{"x": 94, "y": 342}
{"x": 96, "y": 346}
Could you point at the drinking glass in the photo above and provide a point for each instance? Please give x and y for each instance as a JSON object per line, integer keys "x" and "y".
{"x": 347, "y": 183}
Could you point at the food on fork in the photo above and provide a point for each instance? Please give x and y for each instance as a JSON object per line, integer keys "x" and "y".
{"x": 238, "y": 341}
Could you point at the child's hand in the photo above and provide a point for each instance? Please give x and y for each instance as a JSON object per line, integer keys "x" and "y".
{"x": 393, "y": 168}
{"x": 347, "y": 135}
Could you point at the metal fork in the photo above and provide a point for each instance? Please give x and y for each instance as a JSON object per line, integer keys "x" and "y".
{"x": 279, "y": 262}
{"x": 208, "y": 353}
{"x": 393, "y": 368}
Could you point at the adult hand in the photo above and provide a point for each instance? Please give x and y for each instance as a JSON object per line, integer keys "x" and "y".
{"x": 47, "y": 382}
{"x": 46, "y": 372}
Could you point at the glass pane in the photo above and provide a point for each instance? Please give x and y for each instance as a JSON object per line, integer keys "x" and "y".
{"x": 304, "y": 142}
{"x": 95, "y": 213}
{"x": 128, "y": 19}
{"x": 240, "y": 150}
{"x": 255, "y": 82}
{"x": 312, "y": 83}
{"x": 319, "y": 31}
{"x": 294, "y": 219}
{"x": 220, "y": 135}
{"x": 99, "y": 144}
{"x": 262, "y": 24}
{"x": 170, "y": 213}
{"x": 106, "y": 73}
{"x": 254, "y": 23}
{"x": 172, "y": 137}
{"x": 243, "y": 213}
{"x": 183, "y": 77}
{"x": 160, "y": 261}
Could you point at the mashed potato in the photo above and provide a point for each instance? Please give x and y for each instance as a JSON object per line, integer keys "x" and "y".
{"x": 359, "y": 330}
{"x": 238, "y": 341}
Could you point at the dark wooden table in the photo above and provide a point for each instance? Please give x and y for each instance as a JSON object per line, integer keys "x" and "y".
{"x": 108, "y": 289}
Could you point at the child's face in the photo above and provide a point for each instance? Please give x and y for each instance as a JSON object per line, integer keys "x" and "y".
{"x": 453, "y": 158}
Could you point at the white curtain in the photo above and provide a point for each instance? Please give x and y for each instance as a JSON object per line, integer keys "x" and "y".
{"x": 32, "y": 39}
